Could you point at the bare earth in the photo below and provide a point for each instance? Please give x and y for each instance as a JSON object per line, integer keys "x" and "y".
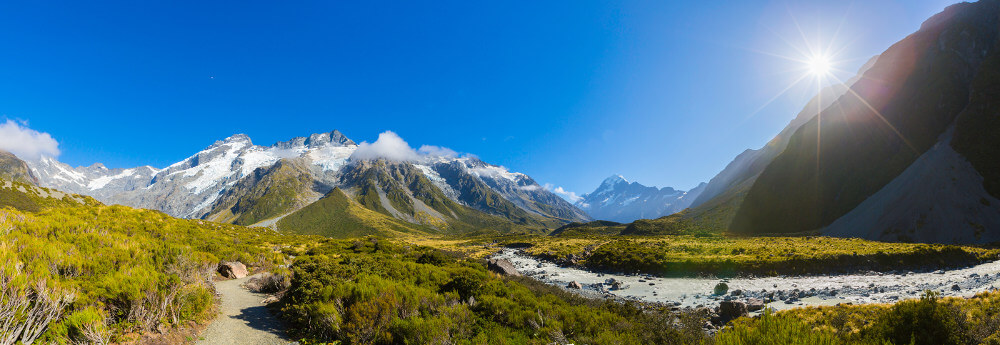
{"x": 243, "y": 319}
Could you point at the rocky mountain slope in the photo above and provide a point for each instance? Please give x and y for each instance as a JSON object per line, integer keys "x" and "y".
{"x": 616, "y": 199}
{"x": 235, "y": 181}
{"x": 908, "y": 154}
{"x": 15, "y": 170}
{"x": 724, "y": 194}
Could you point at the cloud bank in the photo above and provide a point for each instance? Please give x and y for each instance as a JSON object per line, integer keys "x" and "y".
{"x": 391, "y": 147}
{"x": 565, "y": 194}
{"x": 26, "y": 143}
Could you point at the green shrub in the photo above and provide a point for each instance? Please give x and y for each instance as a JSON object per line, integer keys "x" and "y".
{"x": 920, "y": 322}
{"x": 774, "y": 329}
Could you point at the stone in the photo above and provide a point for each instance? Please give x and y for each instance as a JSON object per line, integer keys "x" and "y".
{"x": 754, "y": 304}
{"x": 574, "y": 285}
{"x": 233, "y": 269}
{"x": 955, "y": 287}
{"x": 721, "y": 288}
{"x": 729, "y": 310}
{"x": 503, "y": 267}
{"x": 736, "y": 292}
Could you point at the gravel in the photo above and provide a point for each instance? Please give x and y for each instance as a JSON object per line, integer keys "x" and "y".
{"x": 781, "y": 292}
{"x": 243, "y": 319}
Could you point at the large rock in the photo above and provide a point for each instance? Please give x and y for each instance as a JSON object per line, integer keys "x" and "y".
{"x": 233, "y": 269}
{"x": 729, "y": 310}
{"x": 574, "y": 285}
{"x": 502, "y": 266}
{"x": 754, "y": 304}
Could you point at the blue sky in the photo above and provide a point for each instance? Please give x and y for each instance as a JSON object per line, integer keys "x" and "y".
{"x": 663, "y": 92}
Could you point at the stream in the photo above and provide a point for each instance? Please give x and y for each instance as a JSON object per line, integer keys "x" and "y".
{"x": 785, "y": 291}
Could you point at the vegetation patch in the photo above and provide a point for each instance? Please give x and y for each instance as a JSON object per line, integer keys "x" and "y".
{"x": 927, "y": 320}
{"x": 689, "y": 255}
{"x": 373, "y": 291}
{"x": 99, "y": 274}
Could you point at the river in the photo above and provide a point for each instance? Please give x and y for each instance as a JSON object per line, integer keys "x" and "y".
{"x": 786, "y": 291}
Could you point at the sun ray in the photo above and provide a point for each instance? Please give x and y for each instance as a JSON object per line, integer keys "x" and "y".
{"x": 884, "y": 120}
{"x": 782, "y": 92}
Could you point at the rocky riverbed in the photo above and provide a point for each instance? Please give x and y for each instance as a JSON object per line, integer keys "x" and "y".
{"x": 781, "y": 292}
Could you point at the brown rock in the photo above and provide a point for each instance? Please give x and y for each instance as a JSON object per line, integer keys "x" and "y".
{"x": 574, "y": 285}
{"x": 754, "y": 304}
{"x": 233, "y": 269}
{"x": 729, "y": 310}
{"x": 502, "y": 266}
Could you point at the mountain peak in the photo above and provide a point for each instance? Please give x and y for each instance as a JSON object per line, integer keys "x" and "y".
{"x": 334, "y": 138}
{"x": 613, "y": 180}
{"x": 619, "y": 200}
{"x": 240, "y": 137}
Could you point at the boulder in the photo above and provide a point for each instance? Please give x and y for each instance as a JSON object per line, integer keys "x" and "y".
{"x": 721, "y": 288}
{"x": 754, "y": 304}
{"x": 502, "y": 266}
{"x": 574, "y": 285}
{"x": 233, "y": 269}
{"x": 955, "y": 287}
{"x": 729, "y": 310}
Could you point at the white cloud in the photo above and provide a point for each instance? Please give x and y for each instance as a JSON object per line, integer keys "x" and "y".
{"x": 25, "y": 142}
{"x": 391, "y": 147}
{"x": 530, "y": 188}
{"x": 565, "y": 194}
{"x": 437, "y": 151}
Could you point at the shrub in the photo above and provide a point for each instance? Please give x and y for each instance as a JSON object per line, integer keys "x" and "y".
{"x": 268, "y": 283}
{"x": 774, "y": 329}
{"x": 923, "y": 321}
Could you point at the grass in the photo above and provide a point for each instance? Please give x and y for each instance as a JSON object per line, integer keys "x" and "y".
{"x": 337, "y": 215}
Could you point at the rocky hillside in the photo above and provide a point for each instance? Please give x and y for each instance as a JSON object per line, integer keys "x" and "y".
{"x": 15, "y": 170}
{"x": 907, "y": 154}
{"x": 619, "y": 200}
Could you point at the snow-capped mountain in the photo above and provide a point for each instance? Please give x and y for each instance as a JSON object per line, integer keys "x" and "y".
{"x": 618, "y": 200}
{"x": 220, "y": 180}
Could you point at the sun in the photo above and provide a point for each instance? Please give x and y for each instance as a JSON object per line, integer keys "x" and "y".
{"x": 818, "y": 65}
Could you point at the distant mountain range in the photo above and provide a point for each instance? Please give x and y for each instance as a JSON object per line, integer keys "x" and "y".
{"x": 235, "y": 181}
{"x": 616, "y": 199}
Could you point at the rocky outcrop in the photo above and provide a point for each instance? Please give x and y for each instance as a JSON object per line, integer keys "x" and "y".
{"x": 14, "y": 169}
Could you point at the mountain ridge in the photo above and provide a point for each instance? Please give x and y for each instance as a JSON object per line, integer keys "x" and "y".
{"x": 617, "y": 199}
{"x": 234, "y": 180}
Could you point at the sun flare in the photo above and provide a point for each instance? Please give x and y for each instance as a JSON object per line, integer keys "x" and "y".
{"x": 818, "y": 65}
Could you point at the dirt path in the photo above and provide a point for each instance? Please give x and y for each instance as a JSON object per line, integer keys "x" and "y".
{"x": 243, "y": 319}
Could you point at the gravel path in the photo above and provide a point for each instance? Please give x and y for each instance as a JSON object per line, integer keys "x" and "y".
{"x": 243, "y": 319}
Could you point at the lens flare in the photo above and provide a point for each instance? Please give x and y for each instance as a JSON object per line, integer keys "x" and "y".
{"x": 819, "y": 65}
